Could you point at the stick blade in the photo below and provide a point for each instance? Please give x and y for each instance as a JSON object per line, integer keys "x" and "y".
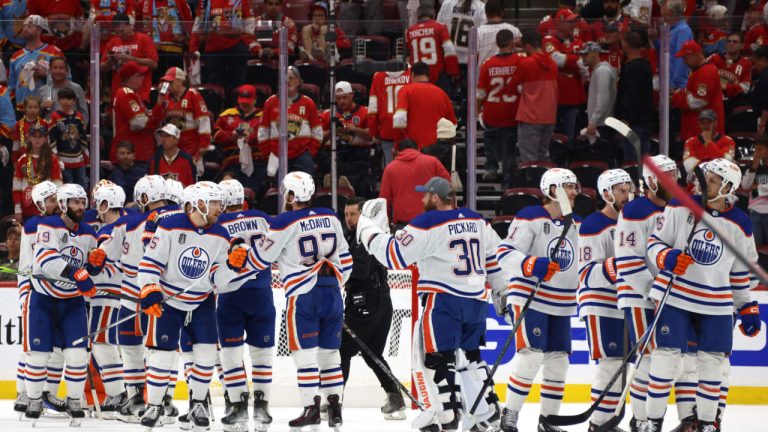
{"x": 562, "y": 199}
{"x": 618, "y": 125}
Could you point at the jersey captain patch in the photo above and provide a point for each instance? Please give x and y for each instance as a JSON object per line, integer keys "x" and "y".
{"x": 193, "y": 262}
{"x": 706, "y": 247}
{"x": 564, "y": 254}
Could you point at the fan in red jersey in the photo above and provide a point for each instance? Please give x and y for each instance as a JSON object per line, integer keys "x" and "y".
{"x": 735, "y": 70}
{"x": 129, "y": 45}
{"x": 382, "y": 103}
{"x": 429, "y": 42}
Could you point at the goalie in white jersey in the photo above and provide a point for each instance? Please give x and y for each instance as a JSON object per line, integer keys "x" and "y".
{"x": 455, "y": 250}
{"x": 313, "y": 257}
{"x": 708, "y": 285}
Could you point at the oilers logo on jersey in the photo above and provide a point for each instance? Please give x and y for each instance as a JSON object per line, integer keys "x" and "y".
{"x": 563, "y": 254}
{"x": 73, "y": 256}
{"x": 706, "y": 247}
{"x": 193, "y": 262}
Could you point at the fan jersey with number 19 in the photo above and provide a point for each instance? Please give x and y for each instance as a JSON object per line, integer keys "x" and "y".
{"x": 383, "y": 102}
{"x": 454, "y": 249}
{"x": 429, "y": 42}
{"x": 459, "y": 20}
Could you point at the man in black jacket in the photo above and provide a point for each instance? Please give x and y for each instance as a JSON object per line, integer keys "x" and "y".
{"x": 368, "y": 312}
{"x": 634, "y": 98}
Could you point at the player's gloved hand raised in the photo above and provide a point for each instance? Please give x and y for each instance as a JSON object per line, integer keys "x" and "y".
{"x": 150, "y": 226}
{"x": 97, "y": 259}
{"x": 749, "y": 314}
{"x": 151, "y": 296}
{"x": 83, "y": 281}
{"x": 674, "y": 260}
{"x": 609, "y": 269}
{"x": 238, "y": 255}
{"x": 540, "y": 267}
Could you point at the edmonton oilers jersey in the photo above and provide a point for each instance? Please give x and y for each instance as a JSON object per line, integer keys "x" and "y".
{"x": 251, "y": 226}
{"x": 112, "y": 283}
{"x": 597, "y": 293}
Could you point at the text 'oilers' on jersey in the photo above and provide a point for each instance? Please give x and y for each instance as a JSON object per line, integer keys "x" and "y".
{"x": 454, "y": 249}
{"x": 182, "y": 256}
{"x": 716, "y": 283}
{"x": 251, "y": 226}
{"x": 597, "y": 293}
{"x": 634, "y": 269}
{"x": 535, "y": 233}
{"x": 302, "y": 242}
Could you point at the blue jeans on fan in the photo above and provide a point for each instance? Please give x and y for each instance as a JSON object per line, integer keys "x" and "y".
{"x": 76, "y": 175}
{"x": 759, "y": 227}
{"x": 500, "y": 148}
{"x": 566, "y": 121}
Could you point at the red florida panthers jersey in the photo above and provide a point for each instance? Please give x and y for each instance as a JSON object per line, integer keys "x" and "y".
{"x": 735, "y": 75}
{"x": 383, "y": 102}
{"x": 495, "y": 87}
{"x": 429, "y": 42}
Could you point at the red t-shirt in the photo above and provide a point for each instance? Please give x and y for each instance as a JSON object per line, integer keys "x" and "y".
{"x": 423, "y": 105}
{"x": 65, "y": 33}
{"x": 127, "y": 106}
{"x": 705, "y": 90}
{"x": 495, "y": 88}
{"x": 570, "y": 88}
{"x": 182, "y": 165}
{"x": 430, "y": 42}
{"x": 305, "y": 133}
{"x": 735, "y": 75}
{"x": 357, "y": 117}
{"x": 190, "y": 114}
{"x": 382, "y": 103}
{"x": 538, "y": 99}
{"x": 139, "y": 45}
{"x": 720, "y": 146}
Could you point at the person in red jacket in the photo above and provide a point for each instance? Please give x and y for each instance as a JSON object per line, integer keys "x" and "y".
{"x": 305, "y": 133}
{"x": 429, "y": 42}
{"x": 129, "y": 45}
{"x": 420, "y": 105}
{"x": 708, "y": 145}
{"x": 735, "y": 69}
{"x": 703, "y": 91}
{"x": 130, "y": 119}
{"x": 236, "y": 127}
{"x": 382, "y": 102}
{"x": 562, "y": 47}
{"x": 410, "y": 168}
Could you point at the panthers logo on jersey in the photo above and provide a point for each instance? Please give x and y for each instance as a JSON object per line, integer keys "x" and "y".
{"x": 193, "y": 262}
{"x": 706, "y": 247}
{"x": 564, "y": 254}
{"x": 73, "y": 256}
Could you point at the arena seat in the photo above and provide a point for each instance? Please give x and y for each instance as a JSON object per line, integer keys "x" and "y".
{"x": 312, "y": 72}
{"x": 376, "y": 47}
{"x": 312, "y": 91}
{"x": 269, "y": 202}
{"x": 528, "y": 174}
{"x": 361, "y": 93}
{"x": 213, "y": 95}
{"x": 516, "y": 199}
{"x": 745, "y": 142}
{"x": 501, "y": 224}
{"x": 298, "y": 10}
{"x": 742, "y": 119}
{"x": 588, "y": 171}
{"x": 324, "y": 198}
{"x": 259, "y": 72}
{"x": 631, "y": 168}
{"x": 585, "y": 203}
{"x": 263, "y": 92}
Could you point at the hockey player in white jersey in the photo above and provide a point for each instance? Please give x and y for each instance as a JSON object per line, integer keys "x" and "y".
{"x": 460, "y": 16}
{"x": 313, "y": 257}
{"x": 708, "y": 285}
{"x": 60, "y": 253}
{"x": 544, "y": 337}
{"x": 184, "y": 261}
{"x": 455, "y": 250}
{"x": 246, "y": 316}
{"x": 597, "y": 294}
{"x": 635, "y": 272}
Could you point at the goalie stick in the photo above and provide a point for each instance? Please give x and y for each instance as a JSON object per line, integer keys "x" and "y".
{"x": 565, "y": 207}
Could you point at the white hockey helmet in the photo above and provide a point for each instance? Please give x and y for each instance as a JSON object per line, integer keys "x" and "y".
{"x": 556, "y": 177}
{"x": 729, "y": 172}
{"x": 301, "y": 184}
{"x": 665, "y": 164}
{"x": 187, "y": 196}
{"x": 70, "y": 191}
{"x": 41, "y": 192}
{"x": 610, "y": 178}
{"x": 234, "y": 193}
{"x": 113, "y": 194}
{"x": 173, "y": 190}
{"x": 206, "y": 192}
{"x": 153, "y": 186}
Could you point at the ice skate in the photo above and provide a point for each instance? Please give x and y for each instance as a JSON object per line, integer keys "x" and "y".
{"x": 170, "y": 412}
{"x": 75, "y": 412}
{"x": 703, "y": 426}
{"x": 184, "y": 422}
{"x": 34, "y": 410}
{"x": 198, "y": 416}
{"x": 112, "y": 405}
{"x": 687, "y": 424}
{"x": 334, "y": 413}
{"x": 20, "y": 404}
{"x": 636, "y": 425}
{"x": 132, "y": 409}
{"x": 394, "y": 407}
{"x": 508, "y": 420}
{"x": 236, "y": 417}
{"x": 151, "y": 417}
{"x": 593, "y": 427}
{"x": 261, "y": 412}
{"x": 54, "y": 404}
{"x": 653, "y": 425}
{"x": 309, "y": 420}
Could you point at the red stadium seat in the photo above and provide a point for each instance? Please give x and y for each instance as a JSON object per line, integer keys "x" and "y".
{"x": 263, "y": 92}
{"x": 361, "y": 93}
{"x": 585, "y": 203}
{"x": 516, "y": 199}
{"x": 501, "y": 224}
{"x": 312, "y": 91}
{"x": 298, "y": 10}
{"x": 588, "y": 171}
{"x": 742, "y": 119}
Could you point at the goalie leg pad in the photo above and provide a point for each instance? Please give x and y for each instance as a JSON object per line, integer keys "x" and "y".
{"x": 665, "y": 364}
{"x": 426, "y": 390}
{"x": 443, "y": 367}
{"x": 685, "y": 387}
{"x": 331, "y": 378}
{"x": 710, "y": 367}
{"x": 553, "y": 386}
{"x": 110, "y": 367}
{"x": 525, "y": 366}
{"x": 606, "y": 368}
{"x": 160, "y": 364}
{"x": 261, "y": 369}
{"x": 235, "y": 380}
{"x": 77, "y": 362}
{"x": 35, "y": 372}
{"x": 308, "y": 374}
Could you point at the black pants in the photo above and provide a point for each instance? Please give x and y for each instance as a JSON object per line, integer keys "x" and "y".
{"x": 373, "y": 330}
{"x": 227, "y": 67}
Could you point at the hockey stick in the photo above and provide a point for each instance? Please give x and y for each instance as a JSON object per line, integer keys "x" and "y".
{"x": 633, "y": 139}
{"x": 94, "y": 395}
{"x": 641, "y": 345}
{"x": 565, "y": 207}
{"x": 381, "y": 365}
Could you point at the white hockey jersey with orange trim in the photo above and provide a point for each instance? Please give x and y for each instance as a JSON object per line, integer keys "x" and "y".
{"x": 597, "y": 293}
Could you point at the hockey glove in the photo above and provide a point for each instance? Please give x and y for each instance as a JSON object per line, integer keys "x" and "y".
{"x": 499, "y": 303}
{"x": 238, "y": 255}
{"x": 674, "y": 260}
{"x": 749, "y": 314}
{"x": 150, "y": 226}
{"x": 97, "y": 259}
{"x": 609, "y": 269}
{"x": 540, "y": 267}
{"x": 151, "y": 296}
{"x": 83, "y": 281}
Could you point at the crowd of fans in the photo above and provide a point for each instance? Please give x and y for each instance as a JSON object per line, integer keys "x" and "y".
{"x": 188, "y": 89}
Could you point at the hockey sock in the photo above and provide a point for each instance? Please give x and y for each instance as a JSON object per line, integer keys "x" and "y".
{"x": 35, "y": 372}
{"x": 77, "y": 363}
{"x": 525, "y": 366}
{"x": 331, "y": 378}
{"x": 261, "y": 369}
{"x": 110, "y": 368}
{"x": 685, "y": 387}
{"x": 664, "y": 366}
{"x": 307, "y": 373}
{"x": 235, "y": 380}
{"x": 220, "y": 372}
{"x": 187, "y": 359}
{"x": 54, "y": 371}
{"x": 160, "y": 365}
{"x": 724, "y": 386}
{"x": 204, "y": 356}
{"x": 553, "y": 385}
{"x": 21, "y": 384}
{"x": 606, "y": 368}
{"x": 710, "y": 368}
{"x": 134, "y": 372}
{"x": 638, "y": 392}
{"x": 443, "y": 368}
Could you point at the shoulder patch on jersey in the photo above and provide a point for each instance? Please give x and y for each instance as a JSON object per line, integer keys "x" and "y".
{"x": 595, "y": 224}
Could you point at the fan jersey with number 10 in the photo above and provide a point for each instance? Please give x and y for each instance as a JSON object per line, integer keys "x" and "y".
{"x": 459, "y": 21}
{"x": 429, "y": 42}
{"x": 383, "y": 102}
{"x": 251, "y": 226}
